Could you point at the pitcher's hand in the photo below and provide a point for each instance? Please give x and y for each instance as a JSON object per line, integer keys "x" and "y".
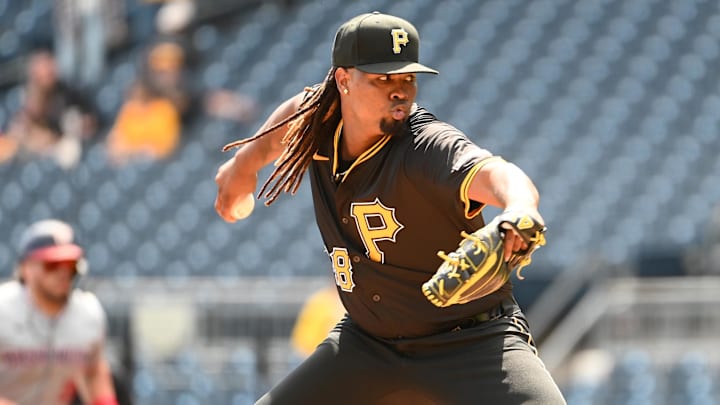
{"x": 233, "y": 185}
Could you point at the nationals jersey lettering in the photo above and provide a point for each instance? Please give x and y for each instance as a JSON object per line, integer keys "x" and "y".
{"x": 375, "y": 222}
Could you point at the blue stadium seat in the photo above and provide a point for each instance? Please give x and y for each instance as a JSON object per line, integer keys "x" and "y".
{"x": 218, "y": 236}
{"x": 227, "y": 269}
{"x": 515, "y": 50}
{"x": 205, "y": 38}
{"x": 249, "y": 256}
{"x": 242, "y": 398}
{"x": 25, "y": 22}
{"x": 671, "y": 28}
{"x": 295, "y": 35}
{"x": 692, "y": 67}
{"x": 144, "y": 385}
{"x": 98, "y": 257}
{"x": 665, "y": 108}
{"x": 123, "y": 74}
{"x": 497, "y": 11}
{"x": 119, "y": 236}
{"x": 7, "y": 260}
{"x": 109, "y": 98}
{"x": 175, "y": 273}
{"x": 138, "y": 217}
{"x": 480, "y": 29}
{"x": 199, "y": 257}
{"x": 61, "y": 196}
{"x": 637, "y": 11}
{"x": 185, "y": 398}
{"x": 9, "y": 43}
{"x": 630, "y": 89}
{"x": 125, "y": 273}
{"x": 11, "y": 99}
{"x": 216, "y": 75}
{"x": 609, "y": 48}
{"x": 149, "y": 258}
{"x": 643, "y": 68}
{"x": 12, "y": 196}
{"x": 683, "y": 10}
{"x": 542, "y": 11}
{"x": 713, "y": 25}
{"x": 657, "y": 48}
{"x": 4, "y": 9}
{"x": 703, "y": 125}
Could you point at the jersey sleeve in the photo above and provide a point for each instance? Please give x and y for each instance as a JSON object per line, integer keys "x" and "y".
{"x": 443, "y": 161}
{"x": 96, "y": 308}
{"x": 94, "y": 311}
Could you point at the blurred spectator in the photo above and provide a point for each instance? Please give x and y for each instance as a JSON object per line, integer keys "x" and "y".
{"x": 54, "y": 118}
{"x": 52, "y": 334}
{"x": 229, "y": 105}
{"x": 160, "y": 100}
{"x": 174, "y": 17}
{"x": 165, "y": 73}
{"x": 8, "y": 148}
{"x": 180, "y": 15}
{"x": 317, "y": 317}
{"x": 84, "y": 31}
{"x": 147, "y": 127}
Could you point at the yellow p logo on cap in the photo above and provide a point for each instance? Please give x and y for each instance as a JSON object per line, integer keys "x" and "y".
{"x": 400, "y": 37}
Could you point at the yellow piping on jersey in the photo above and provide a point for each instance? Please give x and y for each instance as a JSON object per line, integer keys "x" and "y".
{"x": 465, "y": 187}
{"x": 363, "y": 157}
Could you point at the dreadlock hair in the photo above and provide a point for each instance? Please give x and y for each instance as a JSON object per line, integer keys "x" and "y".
{"x": 313, "y": 123}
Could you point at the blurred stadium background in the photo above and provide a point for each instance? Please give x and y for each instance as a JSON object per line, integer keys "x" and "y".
{"x": 613, "y": 107}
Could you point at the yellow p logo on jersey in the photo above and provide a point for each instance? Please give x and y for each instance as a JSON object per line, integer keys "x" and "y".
{"x": 400, "y": 37}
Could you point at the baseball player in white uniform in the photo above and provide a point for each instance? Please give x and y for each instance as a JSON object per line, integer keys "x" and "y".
{"x": 51, "y": 333}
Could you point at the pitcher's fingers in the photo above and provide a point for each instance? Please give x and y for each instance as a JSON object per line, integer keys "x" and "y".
{"x": 508, "y": 246}
{"x": 224, "y": 211}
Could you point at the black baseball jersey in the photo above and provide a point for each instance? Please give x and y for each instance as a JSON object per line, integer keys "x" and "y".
{"x": 384, "y": 218}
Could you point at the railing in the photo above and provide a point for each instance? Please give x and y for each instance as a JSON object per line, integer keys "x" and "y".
{"x": 661, "y": 315}
{"x": 155, "y": 323}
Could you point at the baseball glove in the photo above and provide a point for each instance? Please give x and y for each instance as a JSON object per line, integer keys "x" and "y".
{"x": 477, "y": 267}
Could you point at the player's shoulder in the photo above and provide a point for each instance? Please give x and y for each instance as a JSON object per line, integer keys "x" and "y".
{"x": 426, "y": 127}
{"x": 86, "y": 303}
{"x": 10, "y": 291}
{"x": 13, "y": 300}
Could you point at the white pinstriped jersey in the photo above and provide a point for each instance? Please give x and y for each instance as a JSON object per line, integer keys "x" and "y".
{"x": 39, "y": 356}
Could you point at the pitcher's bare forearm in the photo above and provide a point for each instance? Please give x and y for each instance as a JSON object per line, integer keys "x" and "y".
{"x": 237, "y": 177}
{"x": 503, "y": 185}
{"x": 255, "y": 155}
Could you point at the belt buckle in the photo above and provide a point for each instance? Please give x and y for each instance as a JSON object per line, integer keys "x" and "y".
{"x": 472, "y": 322}
{"x": 493, "y": 313}
{"x": 484, "y": 316}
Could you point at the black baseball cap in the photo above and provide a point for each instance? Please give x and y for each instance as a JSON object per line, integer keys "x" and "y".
{"x": 378, "y": 43}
